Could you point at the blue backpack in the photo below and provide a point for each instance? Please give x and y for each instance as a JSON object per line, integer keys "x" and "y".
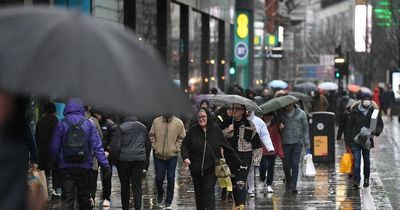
{"x": 75, "y": 146}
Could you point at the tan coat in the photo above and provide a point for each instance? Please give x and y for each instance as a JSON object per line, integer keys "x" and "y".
{"x": 166, "y": 137}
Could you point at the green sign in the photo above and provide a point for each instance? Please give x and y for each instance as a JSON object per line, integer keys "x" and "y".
{"x": 383, "y": 13}
{"x": 241, "y": 38}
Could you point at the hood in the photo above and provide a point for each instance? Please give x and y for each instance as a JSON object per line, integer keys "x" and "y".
{"x": 355, "y": 105}
{"x": 74, "y": 106}
{"x": 129, "y": 118}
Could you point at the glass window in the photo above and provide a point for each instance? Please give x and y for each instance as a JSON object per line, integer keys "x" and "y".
{"x": 213, "y": 53}
{"x": 146, "y": 18}
{"x": 112, "y": 10}
{"x": 195, "y": 51}
{"x": 174, "y": 42}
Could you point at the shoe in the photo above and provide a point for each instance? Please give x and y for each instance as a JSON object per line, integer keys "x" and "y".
{"x": 252, "y": 195}
{"x": 160, "y": 201}
{"x": 269, "y": 189}
{"x": 366, "y": 183}
{"x": 356, "y": 185}
{"x": 106, "y": 203}
{"x": 240, "y": 207}
{"x": 168, "y": 206}
{"x": 295, "y": 191}
{"x": 230, "y": 196}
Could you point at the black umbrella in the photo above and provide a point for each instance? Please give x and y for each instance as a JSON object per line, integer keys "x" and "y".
{"x": 53, "y": 52}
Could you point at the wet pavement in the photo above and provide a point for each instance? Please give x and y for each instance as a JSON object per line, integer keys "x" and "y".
{"x": 327, "y": 190}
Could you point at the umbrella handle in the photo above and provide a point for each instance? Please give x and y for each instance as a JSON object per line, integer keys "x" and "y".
{"x": 232, "y": 114}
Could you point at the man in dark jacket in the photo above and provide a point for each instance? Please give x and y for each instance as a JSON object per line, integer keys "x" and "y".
{"x": 44, "y": 131}
{"x": 360, "y": 119}
{"x": 108, "y": 128}
{"x": 75, "y": 176}
{"x": 132, "y": 148}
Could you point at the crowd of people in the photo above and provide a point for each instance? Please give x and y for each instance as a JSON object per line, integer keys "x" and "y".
{"x": 71, "y": 150}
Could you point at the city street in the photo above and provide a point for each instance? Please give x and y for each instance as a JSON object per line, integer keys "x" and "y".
{"x": 328, "y": 190}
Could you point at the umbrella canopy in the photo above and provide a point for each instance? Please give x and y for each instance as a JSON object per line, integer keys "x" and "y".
{"x": 366, "y": 90}
{"x": 305, "y": 87}
{"x": 52, "y": 52}
{"x": 301, "y": 96}
{"x": 328, "y": 86}
{"x": 229, "y": 100}
{"x": 278, "y": 103}
{"x": 353, "y": 88}
{"x": 278, "y": 84}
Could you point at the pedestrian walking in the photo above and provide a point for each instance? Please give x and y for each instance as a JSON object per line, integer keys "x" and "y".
{"x": 243, "y": 136}
{"x": 375, "y": 96}
{"x": 361, "y": 136}
{"x": 269, "y": 157}
{"x": 320, "y": 102}
{"x": 343, "y": 121}
{"x": 14, "y": 135}
{"x": 95, "y": 168}
{"x": 108, "y": 128}
{"x": 44, "y": 131}
{"x": 74, "y": 141}
{"x": 133, "y": 145}
{"x": 265, "y": 138}
{"x": 388, "y": 101}
{"x": 200, "y": 150}
{"x": 166, "y": 136}
{"x": 295, "y": 135}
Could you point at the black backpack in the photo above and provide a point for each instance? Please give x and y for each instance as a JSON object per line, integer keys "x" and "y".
{"x": 75, "y": 146}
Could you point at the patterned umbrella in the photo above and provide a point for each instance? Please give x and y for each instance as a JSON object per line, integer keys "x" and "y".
{"x": 229, "y": 100}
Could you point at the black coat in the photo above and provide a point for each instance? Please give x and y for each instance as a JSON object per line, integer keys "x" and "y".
{"x": 43, "y": 135}
{"x": 357, "y": 120}
{"x": 108, "y": 128}
{"x": 193, "y": 147}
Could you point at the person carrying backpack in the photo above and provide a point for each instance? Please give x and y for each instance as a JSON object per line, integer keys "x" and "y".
{"x": 74, "y": 141}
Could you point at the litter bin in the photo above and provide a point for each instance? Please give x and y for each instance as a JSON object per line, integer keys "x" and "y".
{"x": 322, "y": 136}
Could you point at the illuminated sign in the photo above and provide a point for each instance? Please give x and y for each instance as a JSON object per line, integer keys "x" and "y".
{"x": 241, "y": 39}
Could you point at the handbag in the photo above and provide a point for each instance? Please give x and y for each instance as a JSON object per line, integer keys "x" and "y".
{"x": 346, "y": 163}
{"x": 222, "y": 169}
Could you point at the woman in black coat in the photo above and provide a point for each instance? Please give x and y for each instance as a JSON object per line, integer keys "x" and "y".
{"x": 200, "y": 148}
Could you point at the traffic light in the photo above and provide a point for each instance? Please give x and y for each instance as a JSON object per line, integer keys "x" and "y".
{"x": 338, "y": 75}
{"x": 232, "y": 68}
{"x": 342, "y": 65}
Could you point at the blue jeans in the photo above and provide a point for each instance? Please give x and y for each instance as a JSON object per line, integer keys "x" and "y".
{"x": 163, "y": 167}
{"x": 291, "y": 162}
{"x": 357, "y": 151}
{"x": 267, "y": 162}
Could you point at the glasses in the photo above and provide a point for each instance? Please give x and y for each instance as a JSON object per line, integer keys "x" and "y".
{"x": 202, "y": 117}
{"x": 238, "y": 108}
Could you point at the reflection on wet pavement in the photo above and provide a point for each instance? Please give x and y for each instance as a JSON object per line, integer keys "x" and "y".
{"x": 328, "y": 190}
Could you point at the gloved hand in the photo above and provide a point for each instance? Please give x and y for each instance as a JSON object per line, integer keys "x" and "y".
{"x": 106, "y": 171}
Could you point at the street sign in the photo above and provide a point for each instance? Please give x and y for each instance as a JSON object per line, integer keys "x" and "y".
{"x": 241, "y": 50}
{"x": 241, "y": 38}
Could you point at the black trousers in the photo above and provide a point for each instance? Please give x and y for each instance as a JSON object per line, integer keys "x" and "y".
{"x": 130, "y": 172}
{"x": 240, "y": 192}
{"x": 106, "y": 183}
{"x": 55, "y": 177}
{"x": 76, "y": 180}
{"x": 204, "y": 191}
